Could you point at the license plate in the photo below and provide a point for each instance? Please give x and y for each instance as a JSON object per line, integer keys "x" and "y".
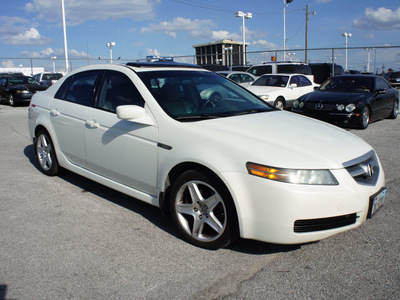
{"x": 376, "y": 202}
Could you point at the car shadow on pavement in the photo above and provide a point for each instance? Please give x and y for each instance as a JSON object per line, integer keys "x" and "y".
{"x": 152, "y": 213}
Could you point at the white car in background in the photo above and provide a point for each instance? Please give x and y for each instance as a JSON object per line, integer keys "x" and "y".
{"x": 242, "y": 78}
{"x": 222, "y": 168}
{"x": 281, "y": 90}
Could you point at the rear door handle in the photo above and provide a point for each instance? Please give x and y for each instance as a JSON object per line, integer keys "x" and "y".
{"x": 54, "y": 112}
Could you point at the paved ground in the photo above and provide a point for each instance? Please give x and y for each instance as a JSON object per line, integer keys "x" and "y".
{"x": 69, "y": 238}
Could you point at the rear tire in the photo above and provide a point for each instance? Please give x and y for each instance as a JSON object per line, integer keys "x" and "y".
{"x": 202, "y": 210}
{"x": 46, "y": 154}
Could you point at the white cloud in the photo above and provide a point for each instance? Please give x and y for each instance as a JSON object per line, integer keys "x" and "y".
{"x": 264, "y": 44}
{"x": 195, "y": 28}
{"x": 222, "y": 35}
{"x": 78, "y": 11}
{"x": 7, "y": 64}
{"x": 382, "y": 18}
{"x": 48, "y": 52}
{"x": 28, "y": 37}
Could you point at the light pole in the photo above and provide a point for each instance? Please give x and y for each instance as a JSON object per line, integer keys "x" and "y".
{"x": 65, "y": 36}
{"x": 110, "y": 45}
{"x": 244, "y": 16}
{"x": 346, "y": 35}
{"x": 53, "y": 58}
{"x": 285, "y": 3}
{"x": 306, "y": 41}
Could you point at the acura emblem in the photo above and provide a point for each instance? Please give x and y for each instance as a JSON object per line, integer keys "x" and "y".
{"x": 319, "y": 106}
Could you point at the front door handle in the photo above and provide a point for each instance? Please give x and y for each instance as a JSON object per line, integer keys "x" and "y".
{"x": 92, "y": 124}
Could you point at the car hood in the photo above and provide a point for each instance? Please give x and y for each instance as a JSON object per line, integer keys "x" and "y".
{"x": 333, "y": 97}
{"x": 262, "y": 90}
{"x": 282, "y": 139}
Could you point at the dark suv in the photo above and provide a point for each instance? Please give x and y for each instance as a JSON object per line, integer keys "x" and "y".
{"x": 393, "y": 78}
{"x": 323, "y": 71}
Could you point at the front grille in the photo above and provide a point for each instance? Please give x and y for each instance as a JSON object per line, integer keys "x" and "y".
{"x": 324, "y": 223}
{"x": 320, "y": 106}
{"x": 365, "y": 169}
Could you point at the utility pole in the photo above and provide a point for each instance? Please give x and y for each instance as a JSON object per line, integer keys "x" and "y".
{"x": 306, "y": 42}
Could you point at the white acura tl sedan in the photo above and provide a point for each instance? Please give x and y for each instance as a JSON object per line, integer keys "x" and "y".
{"x": 223, "y": 167}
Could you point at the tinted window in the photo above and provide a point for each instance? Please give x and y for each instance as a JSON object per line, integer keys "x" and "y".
{"x": 117, "y": 89}
{"x": 289, "y": 68}
{"x": 260, "y": 70}
{"x": 79, "y": 88}
{"x": 381, "y": 84}
{"x": 246, "y": 78}
{"x": 272, "y": 80}
{"x": 304, "y": 81}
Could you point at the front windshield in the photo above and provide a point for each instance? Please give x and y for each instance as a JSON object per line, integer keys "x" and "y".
{"x": 272, "y": 80}
{"x": 348, "y": 84}
{"x": 190, "y": 95}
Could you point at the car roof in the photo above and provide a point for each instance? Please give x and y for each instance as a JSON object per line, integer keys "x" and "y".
{"x": 162, "y": 64}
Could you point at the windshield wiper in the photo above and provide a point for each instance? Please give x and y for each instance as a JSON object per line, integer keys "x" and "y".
{"x": 199, "y": 117}
{"x": 252, "y": 111}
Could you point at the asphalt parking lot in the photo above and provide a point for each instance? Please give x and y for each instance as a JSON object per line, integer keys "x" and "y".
{"x": 69, "y": 238}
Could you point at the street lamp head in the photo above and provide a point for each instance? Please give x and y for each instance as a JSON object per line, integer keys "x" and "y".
{"x": 346, "y": 34}
{"x": 111, "y": 44}
{"x": 239, "y": 14}
{"x": 248, "y": 15}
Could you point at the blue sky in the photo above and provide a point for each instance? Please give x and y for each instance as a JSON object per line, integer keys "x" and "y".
{"x": 33, "y": 28}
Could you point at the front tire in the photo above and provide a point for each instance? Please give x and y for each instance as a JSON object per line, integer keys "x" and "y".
{"x": 365, "y": 117}
{"x": 201, "y": 210}
{"x": 395, "y": 111}
{"x": 46, "y": 154}
{"x": 279, "y": 103}
{"x": 10, "y": 99}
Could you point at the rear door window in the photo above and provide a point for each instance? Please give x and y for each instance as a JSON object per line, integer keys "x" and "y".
{"x": 79, "y": 88}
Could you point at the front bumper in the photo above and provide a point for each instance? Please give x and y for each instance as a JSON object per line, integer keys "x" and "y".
{"x": 344, "y": 118}
{"x": 283, "y": 213}
{"x": 22, "y": 97}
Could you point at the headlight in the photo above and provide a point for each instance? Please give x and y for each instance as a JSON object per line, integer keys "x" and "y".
{"x": 22, "y": 92}
{"x": 301, "y": 104}
{"x": 313, "y": 177}
{"x": 340, "y": 107}
{"x": 296, "y": 104}
{"x": 264, "y": 97}
{"x": 350, "y": 107}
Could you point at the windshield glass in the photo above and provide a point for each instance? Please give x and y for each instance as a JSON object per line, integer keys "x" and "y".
{"x": 189, "y": 95}
{"x": 348, "y": 84}
{"x": 272, "y": 80}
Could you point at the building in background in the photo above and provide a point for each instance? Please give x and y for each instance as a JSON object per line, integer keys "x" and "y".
{"x": 220, "y": 55}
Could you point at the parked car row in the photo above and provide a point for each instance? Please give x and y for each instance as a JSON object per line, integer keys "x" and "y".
{"x": 223, "y": 167}
{"x": 16, "y": 88}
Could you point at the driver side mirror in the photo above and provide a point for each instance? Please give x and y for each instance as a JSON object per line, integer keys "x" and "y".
{"x": 293, "y": 85}
{"x": 380, "y": 91}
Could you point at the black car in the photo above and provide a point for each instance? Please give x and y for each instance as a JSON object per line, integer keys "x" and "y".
{"x": 16, "y": 89}
{"x": 354, "y": 100}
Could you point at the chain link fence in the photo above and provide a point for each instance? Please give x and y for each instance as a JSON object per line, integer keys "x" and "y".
{"x": 364, "y": 59}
